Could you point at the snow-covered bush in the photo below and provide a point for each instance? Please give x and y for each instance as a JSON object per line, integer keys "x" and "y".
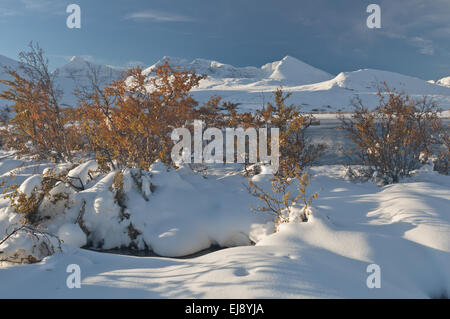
{"x": 42, "y": 197}
{"x": 26, "y": 244}
{"x": 393, "y": 139}
{"x": 172, "y": 212}
{"x": 282, "y": 199}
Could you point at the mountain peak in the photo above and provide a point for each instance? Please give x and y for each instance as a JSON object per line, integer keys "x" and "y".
{"x": 290, "y": 69}
{"x": 77, "y": 60}
{"x": 288, "y": 58}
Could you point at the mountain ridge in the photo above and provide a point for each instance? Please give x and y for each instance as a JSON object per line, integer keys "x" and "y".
{"x": 314, "y": 89}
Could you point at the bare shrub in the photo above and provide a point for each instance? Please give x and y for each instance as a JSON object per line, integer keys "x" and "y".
{"x": 128, "y": 123}
{"x": 296, "y": 153}
{"x": 282, "y": 201}
{"x": 394, "y": 138}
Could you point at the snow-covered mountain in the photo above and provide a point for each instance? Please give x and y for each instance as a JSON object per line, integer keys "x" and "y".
{"x": 76, "y": 71}
{"x": 368, "y": 79}
{"x": 314, "y": 89}
{"x": 6, "y": 62}
{"x": 289, "y": 70}
{"x": 210, "y": 68}
{"x": 444, "y": 81}
{"x": 69, "y": 75}
{"x": 294, "y": 71}
{"x": 80, "y": 67}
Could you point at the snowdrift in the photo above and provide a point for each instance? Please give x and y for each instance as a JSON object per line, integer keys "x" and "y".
{"x": 402, "y": 228}
{"x": 170, "y": 212}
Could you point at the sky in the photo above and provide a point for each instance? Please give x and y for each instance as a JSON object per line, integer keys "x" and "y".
{"x": 414, "y": 38}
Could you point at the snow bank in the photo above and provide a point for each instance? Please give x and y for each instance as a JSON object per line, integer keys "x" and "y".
{"x": 403, "y": 228}
{"x": 184, "y": 214}
{"x": 171, "y": 212}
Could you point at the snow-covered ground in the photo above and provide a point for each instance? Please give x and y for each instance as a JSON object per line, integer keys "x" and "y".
{"x": 403, "y": 228}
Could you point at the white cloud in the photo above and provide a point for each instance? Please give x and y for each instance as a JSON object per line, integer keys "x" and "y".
{"x": 425, "y": 46}
{"x": 13, "y": 8}
{"x": 158, "y": 16}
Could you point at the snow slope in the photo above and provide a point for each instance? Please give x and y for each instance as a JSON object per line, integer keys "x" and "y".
{"x": 7, "y": 62}
{"x": 403, "y": 228}
{"x": 292, "y": 71}
{"x": 331, "y": 95}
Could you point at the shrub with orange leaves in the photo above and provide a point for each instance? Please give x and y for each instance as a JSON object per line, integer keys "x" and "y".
{"x": 296, "y": 153}
{"x": 40, "y": 125}
{"x": 396, "y": 137}
{"x": 129, "y": 122}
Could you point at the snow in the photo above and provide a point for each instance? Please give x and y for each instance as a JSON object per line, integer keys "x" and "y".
{"x": 186, "y": 213}
{"x": 404, "y": 228}
{"x": 79, "y": 68}
{"x": 334, "y": 94}
{"x": 316, "y": 90}
{"x": 291, "y": 70}
{"x": 444, "y": 81}
{"x": 30, "y": 185}
{"x": 27, "y": 247}
{"x": 81, "y": 173}
{"x": 71, "y": 234}
{"x": 208, "y": 67}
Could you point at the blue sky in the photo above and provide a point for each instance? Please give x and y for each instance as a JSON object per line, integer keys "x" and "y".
{"x": 328, "y": 34}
